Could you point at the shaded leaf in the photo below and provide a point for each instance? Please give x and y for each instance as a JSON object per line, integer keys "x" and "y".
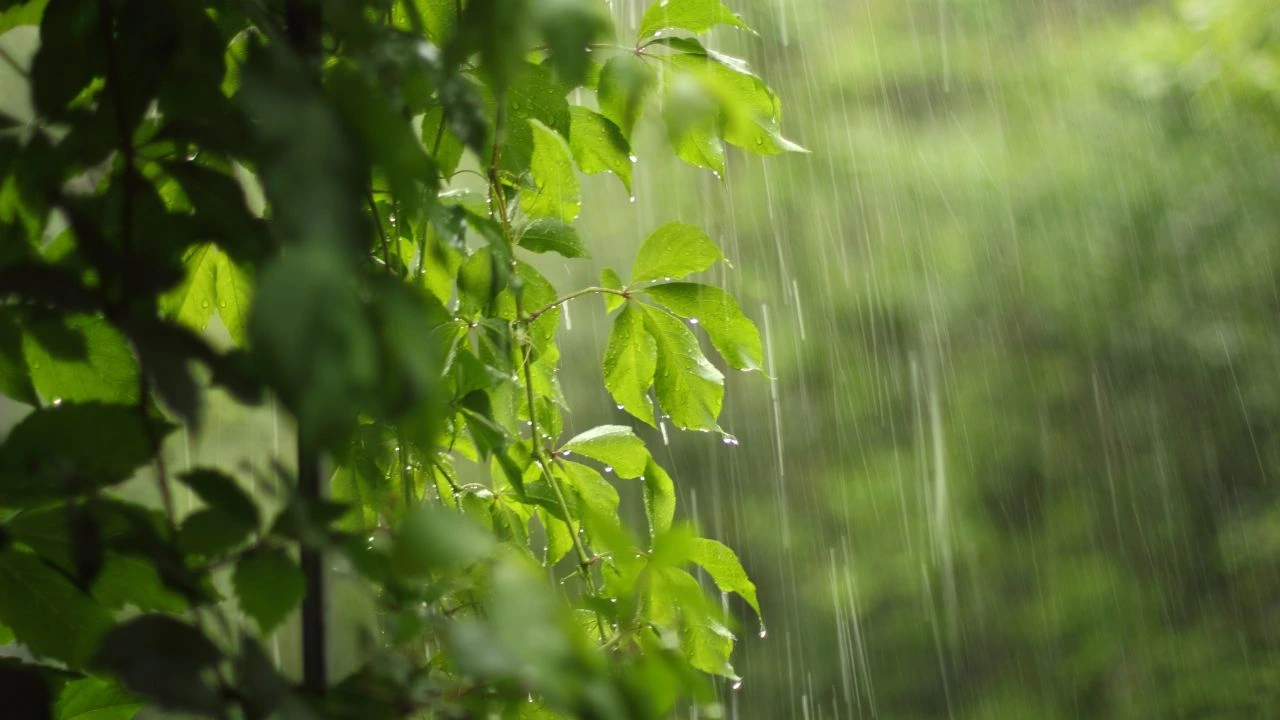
{"x": 233, "y": 290}
{"x": 609, "y": 278}
{"x": 71, "y": 449}
{"x": 211, "y": 532}
{"x": 269, "y": 585}
{"x": 46, "y": 612}
{"x": 220, "y": 491}
{"x": 163, "y": 659}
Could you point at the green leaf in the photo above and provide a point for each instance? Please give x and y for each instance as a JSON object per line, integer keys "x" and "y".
{"x": 163, "y": 659}
{"x": 70, "y": 449}
{"x": 598, "y": 145}
{"x": 630, "y": 359}
{"x": 733, "y": 335}
{"x": 269, "y": 585}
{"x": 27, "y": 13}
{"x": 609, "y": 278}
{"x": 747, "y": 110}
{"x": 694, "y": 16}
{"x": 626, "y": 81}
{"x": 15, "y": 377}
{"x": 556, "y": 193}
{"x": 46, "y": 612}
{"x": 220, "y": 491}
{"x": 95, "y": 699}
{"x": 432, "y": 538}
{"x": 595, "y": 493}
{"x": 708, "y": 644}
{"x": 191, "y": 302}
{"x": 127, "y": 580}
{"x": 569, "y": 26}
{"x": 553, "y": 235}
{"x": 211, "y": 532}
{"x": 673, "y": 251}
{"x": 725, "y": 569}
{"x": 444, "y": 145}
{"x": 83, "y": 358}
{"x": 233, "y": 289}
{"x": 617, "y": 446}
{"x": 689, "y": 388}
{"x": 694, "y": 121}
{"x": 659, "y": 499}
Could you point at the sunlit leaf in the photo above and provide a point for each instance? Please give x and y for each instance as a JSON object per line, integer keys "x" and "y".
{"x": 95, "y": 699}
{"x": 233, "y": 289}
{"x": 82, "y": 359}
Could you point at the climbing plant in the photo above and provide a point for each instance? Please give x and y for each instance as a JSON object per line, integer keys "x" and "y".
{"x": 356, "y": 191}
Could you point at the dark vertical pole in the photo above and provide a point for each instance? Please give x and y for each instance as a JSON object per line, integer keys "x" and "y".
{"x": 303, "y": 21}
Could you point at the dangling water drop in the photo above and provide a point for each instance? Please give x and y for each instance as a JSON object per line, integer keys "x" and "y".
{"x": 737, "y": 685}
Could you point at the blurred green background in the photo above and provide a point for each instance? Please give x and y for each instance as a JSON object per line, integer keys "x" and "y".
{"x": 1017, "y": 457}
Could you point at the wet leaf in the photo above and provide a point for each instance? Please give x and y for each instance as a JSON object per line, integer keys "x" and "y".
{"x": 617, "y": 446}
{"x": 673, "y": 251}
{"x": 598, "y": 145}
{"x": 689, "y": 388}
{"x": 630, "y": 359}
{"x": 694, "y": 16}
{"x": 556, "y": 193}
{"x": 733, "y": 335}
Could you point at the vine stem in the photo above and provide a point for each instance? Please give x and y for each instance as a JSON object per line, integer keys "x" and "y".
{"x": 526, "y": 363}
{"x": 580, "y": 293}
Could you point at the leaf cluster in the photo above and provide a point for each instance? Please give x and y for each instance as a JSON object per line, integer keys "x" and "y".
{"x": 270, "y": 199}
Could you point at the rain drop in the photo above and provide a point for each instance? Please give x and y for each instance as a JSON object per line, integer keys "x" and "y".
{"x": 693, "y": 321}
{"x": 57, "y": 402}
{"x": 737, "y": 685}
{"x": 204, "y": 304}
{"x": 620, "y": 406}
{"x": 632, "y": 198}
{"x": 634, "y": 159}
{"x": 608, "y": 468}
{"x": 764, "y": 633}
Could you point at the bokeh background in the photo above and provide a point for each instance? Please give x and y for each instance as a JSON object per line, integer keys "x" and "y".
{"x": 1016, "y": 455}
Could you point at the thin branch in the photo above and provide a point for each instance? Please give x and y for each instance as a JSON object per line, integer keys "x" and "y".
{"x": 585, "y": 291}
